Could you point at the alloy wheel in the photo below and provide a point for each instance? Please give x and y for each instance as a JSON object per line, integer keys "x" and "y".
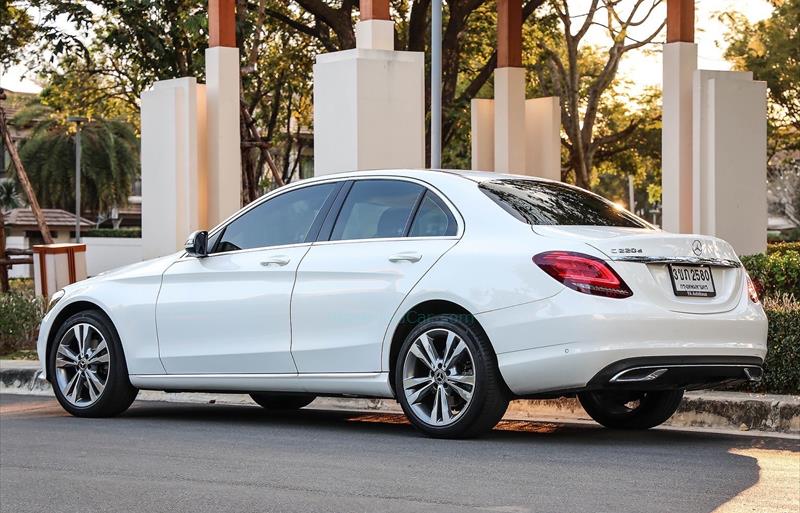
{"x": 82, "y": 365}
{"x": 439, "y": 377}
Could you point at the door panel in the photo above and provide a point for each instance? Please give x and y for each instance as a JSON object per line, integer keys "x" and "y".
{"x": 345, "y": 296}
{"x": 228, "y": 313}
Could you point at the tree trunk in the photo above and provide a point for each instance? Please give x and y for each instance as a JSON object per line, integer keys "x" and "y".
{"x": 22, "y": 176}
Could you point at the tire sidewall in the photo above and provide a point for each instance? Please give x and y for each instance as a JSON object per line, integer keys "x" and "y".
{"x": 480, "y": 360}
{"x": 117, "y": 383}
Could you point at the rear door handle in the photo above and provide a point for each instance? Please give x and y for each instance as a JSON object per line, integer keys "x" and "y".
{"x": 406, "y": 257}
{"x": 278, "y": 260}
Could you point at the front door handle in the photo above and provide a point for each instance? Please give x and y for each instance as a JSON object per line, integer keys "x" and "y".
{"x": 410, "y": 256}
{"x": 278, "y": 260}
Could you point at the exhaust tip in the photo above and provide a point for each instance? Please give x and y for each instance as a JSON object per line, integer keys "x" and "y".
{"x": 754, "y": 373}
{"x": 638, "y": 375}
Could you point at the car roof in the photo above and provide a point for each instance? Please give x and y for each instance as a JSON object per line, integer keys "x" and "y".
{"x": 475, "y": 176}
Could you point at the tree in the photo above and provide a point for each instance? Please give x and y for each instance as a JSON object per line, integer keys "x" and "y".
{"x": 109, "y": 164}
{"x": 17, "y": 30}
{"x": 771, "y": 50}
{"x": 582, "y": 80}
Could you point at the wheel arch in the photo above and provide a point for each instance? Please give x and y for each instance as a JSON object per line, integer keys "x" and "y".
{"x": 414, "y": 316}
{"x": 62, "y": 316}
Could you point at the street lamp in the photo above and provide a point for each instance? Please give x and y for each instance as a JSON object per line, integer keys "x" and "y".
{"x": 78, "y": 122}
{"x": 436, "y": 84}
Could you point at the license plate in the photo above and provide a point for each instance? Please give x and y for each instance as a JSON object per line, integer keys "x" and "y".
{"x": 692, "y": 280}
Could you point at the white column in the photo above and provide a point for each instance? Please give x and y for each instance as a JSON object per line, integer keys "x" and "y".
{"x": 482, "y": 134}
{"x": 679, "y": 62}
{"x": 369, "y": 105}
{"x": 509, "y": 120}
{"x": 173, "y": 169}
{"x": 730, "y": 159}
{"x": 543, "y": 138}
{"x": 224, "y": 157}
{"x": 375, "y": 34}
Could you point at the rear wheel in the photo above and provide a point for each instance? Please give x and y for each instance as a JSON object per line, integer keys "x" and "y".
{"x": 447, "y": 381}
{"x": 89, "y": 374}
{"x": 630, "y": 410}
{"x": 282, "y": 402}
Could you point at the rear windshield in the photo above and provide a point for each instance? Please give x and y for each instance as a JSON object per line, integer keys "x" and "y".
{"x": 552, "y": 203}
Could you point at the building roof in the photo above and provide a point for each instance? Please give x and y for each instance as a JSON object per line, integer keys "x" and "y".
{"x": 55, "y": 218}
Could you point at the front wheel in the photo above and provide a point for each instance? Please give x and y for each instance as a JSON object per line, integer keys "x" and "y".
{"x": 447, "y": 380}
{"x": 630, "y": 410}
{"x": 88, "y": 370}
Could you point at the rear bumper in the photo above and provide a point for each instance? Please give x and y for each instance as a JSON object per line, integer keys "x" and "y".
{"x": 562, "y": 343}
{"x": 673, "y": 372}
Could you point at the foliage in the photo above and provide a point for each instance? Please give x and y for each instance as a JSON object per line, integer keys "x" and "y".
{"x": 775, "y": 273}
{"x": 20, "y": 315}
{"x": 9, "y": 196}
{"x": 109, "y": 162}
{"x": 779, "y": 248}
{"x": 781, "y": 371}
{"x": 583, "y": 78}
{"x": 771, "y": 50}
{"x": 121, "y": 233}
{"x": 17, "y": 30}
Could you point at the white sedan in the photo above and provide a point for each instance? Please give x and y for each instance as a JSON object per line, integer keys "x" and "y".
{"x": 453, "y": 292}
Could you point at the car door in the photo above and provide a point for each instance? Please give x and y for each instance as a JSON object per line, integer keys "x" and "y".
{"x": 373, "y": 250}
{"x": 228, "y": 313}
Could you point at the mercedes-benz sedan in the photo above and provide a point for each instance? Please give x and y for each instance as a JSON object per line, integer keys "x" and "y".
{"x": 453, "y": 292}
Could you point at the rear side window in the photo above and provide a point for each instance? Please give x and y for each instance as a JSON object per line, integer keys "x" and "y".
{"x": 552, "y": 203}
{"x": 433, "y": 219}
{"x": 376, "y": 209}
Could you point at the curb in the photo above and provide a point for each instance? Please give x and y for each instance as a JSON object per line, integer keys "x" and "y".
{"x": 737, "y": 411}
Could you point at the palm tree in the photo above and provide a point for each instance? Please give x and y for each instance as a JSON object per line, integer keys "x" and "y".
{"x": 109, "y": 162}
{"x": 9, "y": 197}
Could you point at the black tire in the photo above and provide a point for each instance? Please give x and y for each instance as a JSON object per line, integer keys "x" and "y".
{"x": 279, "y": 402}
{"x": 490, "y": 395}
{"x": 630, "y": 410}
{"x": 118, "y": 393}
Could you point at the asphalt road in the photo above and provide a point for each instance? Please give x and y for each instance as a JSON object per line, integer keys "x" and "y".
{"x": 165, "y": 457}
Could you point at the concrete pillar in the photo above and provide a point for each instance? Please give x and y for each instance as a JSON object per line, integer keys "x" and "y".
{"x": 679, "y": 63}
{"x": 509, "y": 120}
{"x": 369, "y": 102}
{"x": 173, "y": 165}
{"x": 224, "y": 156}
{"x": 730, "y": 158}
{"x": 543, "y": 138}
{"x": 482, "y": 134}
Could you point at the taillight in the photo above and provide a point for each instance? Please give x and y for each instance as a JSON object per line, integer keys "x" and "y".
{"x": 752, "y": 289}
{"x": 583, "y": 273}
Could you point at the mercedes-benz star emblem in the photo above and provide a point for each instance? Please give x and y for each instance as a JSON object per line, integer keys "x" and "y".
{"x": 697, "y": 248}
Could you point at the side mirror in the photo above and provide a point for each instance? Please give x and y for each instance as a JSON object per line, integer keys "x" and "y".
{"x": 197, "y": 244}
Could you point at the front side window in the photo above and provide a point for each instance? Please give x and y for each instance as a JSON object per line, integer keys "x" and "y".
{"x": 433, "y": 219}
{"x": 376, "y": 209}
{"x": 552, "y": 203}
{"x": 284, "y": 219}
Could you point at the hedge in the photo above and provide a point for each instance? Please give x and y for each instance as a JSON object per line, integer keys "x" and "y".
{"x": 20, "y": 314}
{"x": 775, "y": 273}
{"x": 782, "y": 366}
{"x": 122, "y": 233}
{"x": 778, "y": 248}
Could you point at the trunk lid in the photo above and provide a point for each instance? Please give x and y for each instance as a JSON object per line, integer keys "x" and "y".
{"x": 642, "y": 258}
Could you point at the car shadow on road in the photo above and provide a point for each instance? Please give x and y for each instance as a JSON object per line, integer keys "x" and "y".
{"x": 711, "y": 469}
